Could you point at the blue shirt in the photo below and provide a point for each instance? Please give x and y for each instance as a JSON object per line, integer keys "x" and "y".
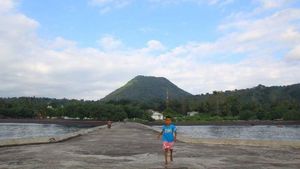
{"x": 168, "y": 133}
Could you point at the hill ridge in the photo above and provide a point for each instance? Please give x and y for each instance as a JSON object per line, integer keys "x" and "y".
{"x": 147, "y": 88}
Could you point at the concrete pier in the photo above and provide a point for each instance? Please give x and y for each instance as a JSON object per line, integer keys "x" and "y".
{"x": 133, "y": 145}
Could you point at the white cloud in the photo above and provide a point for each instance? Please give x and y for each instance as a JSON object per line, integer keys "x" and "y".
{"x": 109, "y": 42}
{"x": 261, "y": 35}
{"x": 271, "y": 4}
{"x": 61, "y": 43}
{"x": 220, "y": 2}
{"x": 294, "y": 53}
{"x": 6, "y": 5}
{"x": 153, "y": 46}
{"x": 59, "y": 68}
{"x": 108, "y": 5}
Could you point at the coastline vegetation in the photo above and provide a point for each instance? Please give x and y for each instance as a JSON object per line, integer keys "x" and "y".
{"x": 208, "y": 110}
{"x": 258, "y": 103}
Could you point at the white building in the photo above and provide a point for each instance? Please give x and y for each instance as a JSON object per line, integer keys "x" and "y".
{"x": 156, "y": 115}
{"x": 70, "y": 118}
{"x": 192, "y": 113}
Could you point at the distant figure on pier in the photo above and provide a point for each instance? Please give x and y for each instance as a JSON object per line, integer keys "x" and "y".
{"x": 168, "y": 134}
{"x": 109, "y": 123}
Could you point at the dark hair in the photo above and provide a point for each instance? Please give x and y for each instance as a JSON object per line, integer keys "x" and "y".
{"x": 168, "y": 117}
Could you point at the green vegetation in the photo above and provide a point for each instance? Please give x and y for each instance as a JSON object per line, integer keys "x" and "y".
{"x": 147, "y": 89}
{"x": 31, "y": 107}
{"x": 258, "y": 103}
{"x": 143, "y": 93}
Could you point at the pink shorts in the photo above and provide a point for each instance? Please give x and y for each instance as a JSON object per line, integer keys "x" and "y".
{"x": 168, "y": 145}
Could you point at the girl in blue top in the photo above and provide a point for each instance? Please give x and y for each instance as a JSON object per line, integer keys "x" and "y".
{"x": 168, "y": 137}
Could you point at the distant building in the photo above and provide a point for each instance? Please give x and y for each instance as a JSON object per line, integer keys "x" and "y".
{"x": 192, "y": 113}
{"x": 70, "y": 118}
{"x": 156, "y": 115}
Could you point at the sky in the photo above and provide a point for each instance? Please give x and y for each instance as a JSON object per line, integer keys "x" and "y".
{"x": 85, "y": 49}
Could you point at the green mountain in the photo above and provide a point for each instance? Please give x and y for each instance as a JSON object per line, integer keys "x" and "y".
{"x": 260, "y": 102}
{"x": 142, "y": 93}
{"x": 259, "y": 94}
{"x": 147, "y": 88}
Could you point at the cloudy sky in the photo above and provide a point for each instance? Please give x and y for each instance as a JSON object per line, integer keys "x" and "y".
{"x": 85, "y": 49}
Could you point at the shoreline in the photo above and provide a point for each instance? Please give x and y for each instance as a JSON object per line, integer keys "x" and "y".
{"x": 184, "y": 139}
{"x": 79, "y": 123}
{"x": 47, "y": 139}
{"x": 227, "y": 123}
{"x": 234, "y": 141}
{"x": 94, "y": 123}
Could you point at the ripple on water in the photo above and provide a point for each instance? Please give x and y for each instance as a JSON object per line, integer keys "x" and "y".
{"x": 25, "y": 130}
{"x": 258, "y": 132}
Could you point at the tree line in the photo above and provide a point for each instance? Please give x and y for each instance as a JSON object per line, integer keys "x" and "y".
{"x": 32, "y": 107}
{"x": 259, "y": 103}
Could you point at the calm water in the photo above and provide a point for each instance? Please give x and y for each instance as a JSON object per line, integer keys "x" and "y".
{"x": 24, "y": 130}
{"x": 259, "y": 132}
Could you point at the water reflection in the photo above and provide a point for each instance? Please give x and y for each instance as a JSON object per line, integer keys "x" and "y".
{"x": 259, "y": 132}
{"x": 24, "y": 130}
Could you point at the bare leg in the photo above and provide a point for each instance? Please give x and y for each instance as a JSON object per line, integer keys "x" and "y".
{"x": 166, "y": 156}
{"x": 171, "y": 151}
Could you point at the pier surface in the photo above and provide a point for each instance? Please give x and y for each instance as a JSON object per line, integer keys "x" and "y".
{"x": 133, "y": 145}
